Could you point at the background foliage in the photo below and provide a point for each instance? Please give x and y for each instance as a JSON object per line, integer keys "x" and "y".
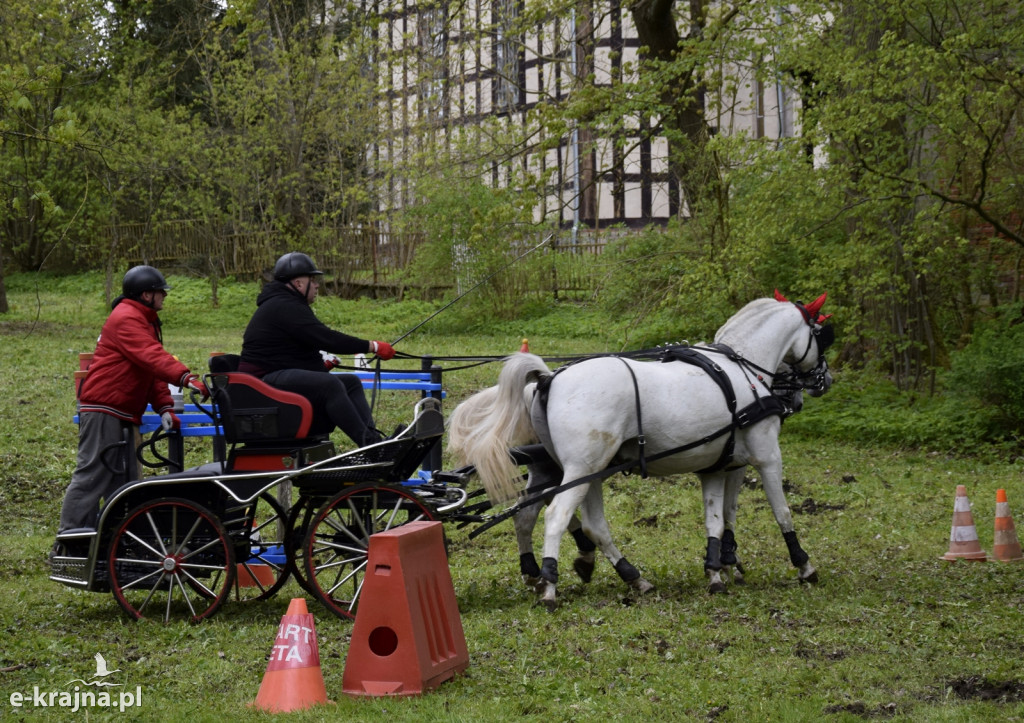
{"x": 900, "y": 195}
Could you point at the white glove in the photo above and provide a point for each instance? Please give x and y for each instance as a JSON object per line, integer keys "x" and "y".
{"x": 169, "y": 421}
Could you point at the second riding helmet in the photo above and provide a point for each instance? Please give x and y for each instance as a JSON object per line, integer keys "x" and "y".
{"x": 139, "y": 279}
{"x": 295, "y": 264}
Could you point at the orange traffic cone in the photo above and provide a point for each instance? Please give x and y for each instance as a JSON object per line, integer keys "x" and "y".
{"x": 526, "y": 346}
{"x": 963, "y": 537}
{"x": 293, "y": 680}
{"x": 1005, "y": 546}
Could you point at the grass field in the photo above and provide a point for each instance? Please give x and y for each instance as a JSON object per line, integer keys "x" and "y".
{"x": 891, "y": 632}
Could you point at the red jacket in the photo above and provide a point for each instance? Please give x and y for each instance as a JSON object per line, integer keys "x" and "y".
{"x": 130, "y": 367}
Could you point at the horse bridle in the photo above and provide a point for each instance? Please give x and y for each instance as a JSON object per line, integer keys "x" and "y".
{"x": 823, "y": 335}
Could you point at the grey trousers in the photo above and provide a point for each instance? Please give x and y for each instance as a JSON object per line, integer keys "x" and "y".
{"x": 92, "y": 480}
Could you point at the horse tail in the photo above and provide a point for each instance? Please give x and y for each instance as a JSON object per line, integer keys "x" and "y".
{"x": 483, "y": 428}
{"x": 466, "y": 421}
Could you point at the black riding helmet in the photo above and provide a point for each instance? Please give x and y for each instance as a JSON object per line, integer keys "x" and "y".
{"x": 139, "y": 279}
{"x": 295, "y": 264}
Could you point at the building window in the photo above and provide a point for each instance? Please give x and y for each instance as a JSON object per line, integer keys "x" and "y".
{"x": 506, "y": 56}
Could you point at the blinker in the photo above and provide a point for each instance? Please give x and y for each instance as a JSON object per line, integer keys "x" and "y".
{"x": 826, "y": 335}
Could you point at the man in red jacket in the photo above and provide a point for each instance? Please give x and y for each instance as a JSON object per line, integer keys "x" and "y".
{"x": 130, "y": 369}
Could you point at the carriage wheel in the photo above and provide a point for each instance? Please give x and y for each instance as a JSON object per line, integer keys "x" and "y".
{"x": 335, "y": 548}
{"x": 171, "y": 558}
{"x": 299, "y": 518}
{"x": 265, "y": 570}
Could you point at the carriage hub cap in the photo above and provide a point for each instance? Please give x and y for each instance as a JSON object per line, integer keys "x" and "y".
{"x": 170, "y": 563}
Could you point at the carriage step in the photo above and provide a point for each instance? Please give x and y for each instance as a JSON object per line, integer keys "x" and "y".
{"x": 73, "y": 571}
{"x": 69, "y": 559}
{"x": 74, "y": 543}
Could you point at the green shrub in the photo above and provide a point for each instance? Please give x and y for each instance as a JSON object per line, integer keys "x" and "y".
{"x": 990, "y": 369}
{"x": 869, "y": 409}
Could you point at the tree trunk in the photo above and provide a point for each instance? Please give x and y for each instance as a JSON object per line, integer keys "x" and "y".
{"x": 684, "y": 98}
{"x": 4, "y": 308}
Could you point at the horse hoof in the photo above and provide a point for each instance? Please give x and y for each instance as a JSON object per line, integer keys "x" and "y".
{"x": 736, "y": 576}
{"x": 641, "y": 586}
{"x": 717, "y": 588}
{"x": 533, "y": 582}
{"x": 809, "y": 575}
{"x": 584, "y": 568}
{"x": 549, "y": 605}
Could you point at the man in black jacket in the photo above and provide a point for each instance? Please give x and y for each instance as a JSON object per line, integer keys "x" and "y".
{"x": 283, "y": 341}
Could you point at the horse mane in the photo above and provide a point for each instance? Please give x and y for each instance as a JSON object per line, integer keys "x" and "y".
{"x": 752, "y": 315}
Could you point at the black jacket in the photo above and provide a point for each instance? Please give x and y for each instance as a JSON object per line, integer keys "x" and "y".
{"x": 284, "y": 333}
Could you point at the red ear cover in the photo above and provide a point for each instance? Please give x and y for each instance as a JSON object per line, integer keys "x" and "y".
{"x": 780, "y": 297}
{"x": 815, "y": 306}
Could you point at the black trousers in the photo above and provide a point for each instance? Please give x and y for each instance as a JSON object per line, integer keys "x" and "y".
{"x": 335, "y": 397}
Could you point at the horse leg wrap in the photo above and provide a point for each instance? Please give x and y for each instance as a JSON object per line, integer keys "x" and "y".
{"x": 713, "y": 555}
{"x": 583, "y": 543}
{"x": 796, "y": 553}
{"x": 627, "y": 572}
{"x": 549, "y": 569}
{"x": 528, "y": 565}
{"x": 728, "y": 548}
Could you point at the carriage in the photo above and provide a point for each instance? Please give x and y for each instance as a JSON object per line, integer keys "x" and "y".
{"x": 182, "y": 543}
{"x": 282, "y": 502}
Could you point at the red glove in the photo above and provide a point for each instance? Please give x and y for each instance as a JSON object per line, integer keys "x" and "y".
{"x": 195, "y": 383}
{"x": 331, "y": 362}
{"x": 383, "y": 350}
{"x": 169, "y": 421}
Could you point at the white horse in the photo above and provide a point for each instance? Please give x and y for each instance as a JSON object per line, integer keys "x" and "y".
{"x": 544, "y": 473}
{"x": 614, "y": 413}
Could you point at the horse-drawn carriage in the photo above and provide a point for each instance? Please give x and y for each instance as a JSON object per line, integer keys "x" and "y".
{"x": 181, "y": 544}
{"x": 283, "y": 501}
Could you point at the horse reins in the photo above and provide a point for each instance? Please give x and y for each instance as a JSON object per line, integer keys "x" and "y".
{"x": 737, "y": 420}
{"x": 586, "y": 479}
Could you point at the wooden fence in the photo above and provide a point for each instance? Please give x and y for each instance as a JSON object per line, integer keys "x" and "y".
{"x": 359, "y": 260}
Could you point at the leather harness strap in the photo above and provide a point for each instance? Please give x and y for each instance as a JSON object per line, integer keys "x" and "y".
{"x": 640, "y": 439}
{"x": 761, "y": 408}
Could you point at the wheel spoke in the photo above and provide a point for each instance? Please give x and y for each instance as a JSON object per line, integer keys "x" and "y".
{"x": 166, "y": 547}
{"x": 261, "y": 573}
{"x": 189, "y": 536}
{"x": 146, "y": 545}
{"x": 136, "y": 581}
{"x": 355, "y": 571}
{"x": 334, "y": 553}
{"x": 157, "y": 537}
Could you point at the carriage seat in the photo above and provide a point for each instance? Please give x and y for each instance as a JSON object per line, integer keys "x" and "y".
{"x": 250, "y": 411}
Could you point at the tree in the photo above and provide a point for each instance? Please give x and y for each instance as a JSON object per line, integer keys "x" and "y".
{"x": 907, "y": 206}
{"x": 917, "y": 109}
{"x": 47, "y": 64}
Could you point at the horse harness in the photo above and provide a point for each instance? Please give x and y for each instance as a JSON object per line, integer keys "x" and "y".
{"x": 777, "y": 403}
{"x": 761, "y": 408}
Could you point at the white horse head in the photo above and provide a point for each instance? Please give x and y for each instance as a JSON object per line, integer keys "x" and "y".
{"x": 774, "y": 332}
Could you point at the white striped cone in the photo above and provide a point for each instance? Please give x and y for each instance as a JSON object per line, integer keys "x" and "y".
{"x": 1005, "y": 545}
{"x": 963, "y": 537}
